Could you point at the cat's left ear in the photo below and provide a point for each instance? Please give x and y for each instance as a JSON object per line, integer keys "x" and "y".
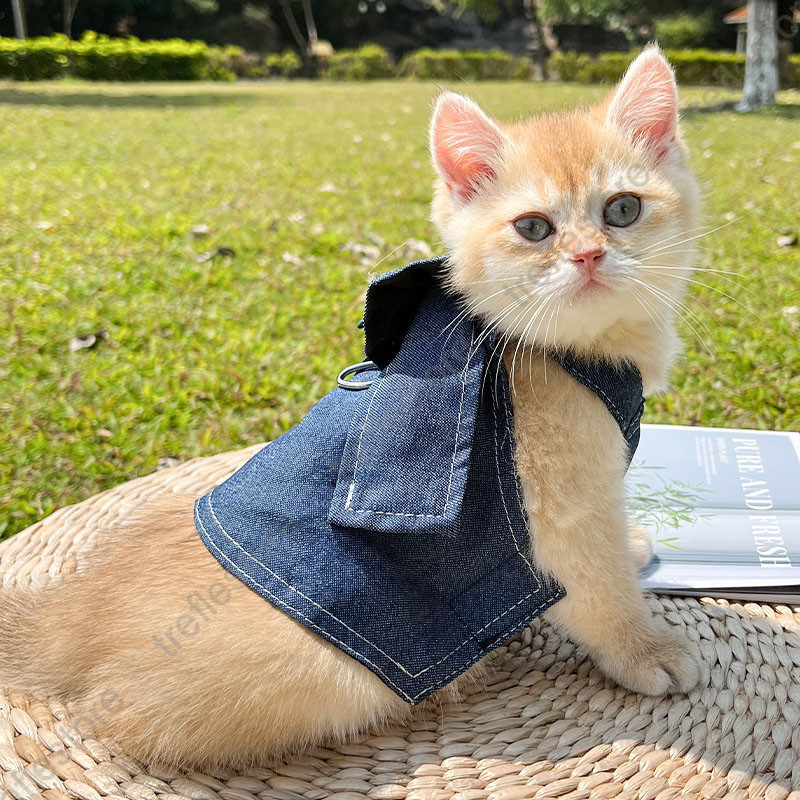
{"x": 465, "y": 145}
{"x": 645, "y": 104}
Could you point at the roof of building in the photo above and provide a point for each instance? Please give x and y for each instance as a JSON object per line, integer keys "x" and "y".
{"x": 739, "y": 16}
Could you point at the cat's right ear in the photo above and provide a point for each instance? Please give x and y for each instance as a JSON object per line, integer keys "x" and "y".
{"x": 465, "y": 145}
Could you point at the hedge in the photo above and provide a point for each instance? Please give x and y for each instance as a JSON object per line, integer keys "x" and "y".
{"x": 470, "y": 65}
{"x": 103, "y": 58}
{"x": 282, "y": 65}
{"x": 367, "y": 63}
{"x": 719, "y": 68}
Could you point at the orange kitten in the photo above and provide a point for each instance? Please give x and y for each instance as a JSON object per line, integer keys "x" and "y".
{"x": 560, "y": 231}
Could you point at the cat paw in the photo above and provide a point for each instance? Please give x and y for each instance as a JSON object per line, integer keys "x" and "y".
{"x": 668, "y": 663}
{"x": 640, "y": 546}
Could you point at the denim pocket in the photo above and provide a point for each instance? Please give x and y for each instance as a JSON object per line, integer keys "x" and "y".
{"x": 408, "y": 450}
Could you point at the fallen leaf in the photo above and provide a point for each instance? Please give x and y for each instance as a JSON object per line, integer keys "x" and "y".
{"x": 105, "y": 433}
{"x": 291, "y": 258}
{"x": 327, "y": 187}
{"x": 416, "y": 248}
{"x": 223, "y": 252}
{"x": 43, "y": 225}
{"x": 86, "y": 341}
{"x": 200, "y": 231}
{"x": 369, "y": 253}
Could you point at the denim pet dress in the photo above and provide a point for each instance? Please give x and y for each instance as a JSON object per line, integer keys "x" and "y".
{"x": 390, "y": 521}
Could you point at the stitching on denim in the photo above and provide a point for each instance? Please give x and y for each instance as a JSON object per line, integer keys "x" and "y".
{"x": 452, "y": 462}
{"x": 590, "y": 384}
{"x": 502, "y": 492}
{"x": 345, "y": 625}
{"x": 481, "y": 654}
{"x": 283, "y": 603}
{"x": 325, "y": 610}
{"x": 517, "y": 481}
{"x": 356, "y": 653}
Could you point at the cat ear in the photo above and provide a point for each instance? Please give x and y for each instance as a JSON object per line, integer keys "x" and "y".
{"x": 465, "y": 145}
{"x": 645, "y": 104}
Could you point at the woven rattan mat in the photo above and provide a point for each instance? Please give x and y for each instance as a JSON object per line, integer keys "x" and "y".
{"x": 546, "y": 724}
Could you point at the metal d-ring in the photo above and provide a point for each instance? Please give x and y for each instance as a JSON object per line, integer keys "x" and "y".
{"x": 355, "y": 369}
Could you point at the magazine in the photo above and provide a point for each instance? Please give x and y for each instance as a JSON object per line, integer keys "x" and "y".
{"x": 723, "y": 507}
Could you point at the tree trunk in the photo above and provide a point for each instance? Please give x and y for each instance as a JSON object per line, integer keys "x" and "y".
{"x": 293, "y": 27}
{"x": 69, "y": 7}
{"x": 787, "y": 28}
{"x": 19, "y": 18}
{"x": 534, "y": 35}
{"x": 311, "y": 26}
{"x": 761, "y": 64}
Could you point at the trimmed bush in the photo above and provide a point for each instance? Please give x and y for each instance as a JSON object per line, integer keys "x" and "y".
{"x": 683, "y": 31}
{"x": 471, "y": 65}
{"x": 283, "y": 65}
{"x": 369, "y": 62}
{"x": 103, "y": 58}
{"x": 718, "y": 68}
{"x": 794, "y": 65}
{"x": 231, "y": 60}
{"x": 35, "y": 59}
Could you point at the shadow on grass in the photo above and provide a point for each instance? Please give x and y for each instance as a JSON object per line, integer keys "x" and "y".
{"x": 782, "y": 110}
{"x": 33, "y": 97}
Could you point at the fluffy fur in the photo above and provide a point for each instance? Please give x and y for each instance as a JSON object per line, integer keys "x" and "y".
{"x": 245, "y": 682}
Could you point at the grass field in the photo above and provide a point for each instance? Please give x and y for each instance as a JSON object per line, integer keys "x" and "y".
{"x": 101, "y": 186}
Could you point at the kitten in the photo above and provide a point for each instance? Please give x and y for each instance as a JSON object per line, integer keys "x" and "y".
{"x": 566, "y": 230}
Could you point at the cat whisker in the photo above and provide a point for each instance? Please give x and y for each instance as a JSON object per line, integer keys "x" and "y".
{"x": 531, "y": 343}
{"x": 676, "y": 305}
{"x": 699, "y": 235}
{"x": 657, "y": 319}
{"x": 708, "y": 286}
{"x": 523, "y": 338}
{"x": 517, "y": 319}
{"x": 670, "y": 241}
{"x": 672, "y": 237}
{"x": 689, "y": 269}
{"x": 471, "y": 308}
{"x": 500, "y": 280}
{"x": 557, "y": 310}
{"x": 496, "y": 324}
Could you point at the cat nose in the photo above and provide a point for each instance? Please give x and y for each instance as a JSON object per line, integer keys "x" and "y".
{"x": 588, "y": 260}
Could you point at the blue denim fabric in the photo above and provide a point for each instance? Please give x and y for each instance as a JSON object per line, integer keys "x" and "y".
{"x": 390, "y": 521}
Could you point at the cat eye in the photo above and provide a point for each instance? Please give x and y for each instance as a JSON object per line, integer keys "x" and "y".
{"x": 622, "y": 210}
{"x": 533, "y": 227}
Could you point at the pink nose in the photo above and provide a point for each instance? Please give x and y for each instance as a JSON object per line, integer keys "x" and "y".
{"x": 588, "y": 260}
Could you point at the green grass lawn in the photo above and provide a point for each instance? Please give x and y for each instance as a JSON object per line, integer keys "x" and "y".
{"x": 102, "y": 184}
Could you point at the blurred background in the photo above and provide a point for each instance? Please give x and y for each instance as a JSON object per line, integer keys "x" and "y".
{"x": 194, "y": 194}
{"x": 264, "y": 26}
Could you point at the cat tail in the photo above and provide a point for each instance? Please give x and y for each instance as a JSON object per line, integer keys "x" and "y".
{"x": 32, "y": 659}
{"x": 17, "y": 609}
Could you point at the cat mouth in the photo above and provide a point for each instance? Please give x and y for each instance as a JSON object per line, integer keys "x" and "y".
{"x": 591, "y": 286}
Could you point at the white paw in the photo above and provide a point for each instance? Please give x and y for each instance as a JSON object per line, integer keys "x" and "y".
{"x": 663, "y": 662}
{"x": 640, "y": 546}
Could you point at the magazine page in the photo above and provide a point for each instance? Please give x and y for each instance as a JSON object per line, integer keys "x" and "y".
{"x": 723, "y": 507}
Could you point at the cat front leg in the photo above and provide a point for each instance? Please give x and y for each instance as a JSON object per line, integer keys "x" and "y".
{"x": 605, "y": 610}
{"x": 572, "y": 460}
